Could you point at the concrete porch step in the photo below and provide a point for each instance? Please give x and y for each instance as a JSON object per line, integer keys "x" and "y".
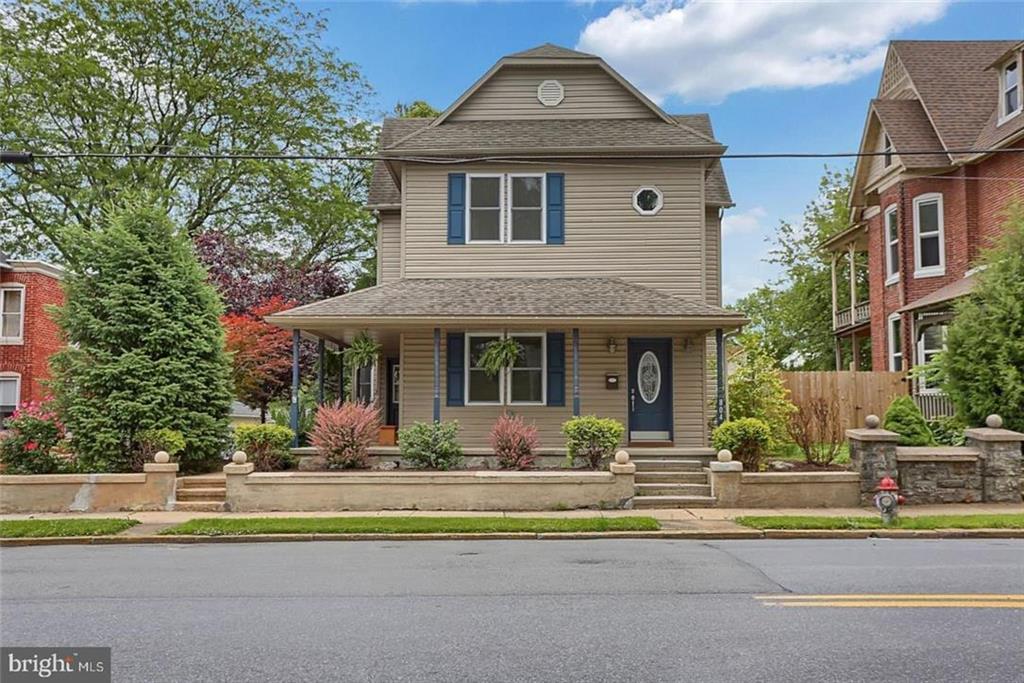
{"x": 199, "y": 506}
{"x": 677, "y": 477}
{"x": 666, "y": 464}
{"x": 202, "y": 494}
{"x": 647, "y": 502}
{"x": 666, "y": 489}
{"x": 201, "y": 481}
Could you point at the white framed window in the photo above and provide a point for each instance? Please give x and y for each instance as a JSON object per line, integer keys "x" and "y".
{"x": 895, "y": 335}
{"x": 525, "y": 383}
{"x": 929, "y": 236}
{"x": 396, "y": 382}
{"x": 648, "y": 200}
{"x": 932, "y": 341}
{"x": 527, "y": 208}
{"x": 12, "y": 314}
{"x": 1009, "y": 90}
{"x": 10, "y": 394}
{"x": 486, "y": 208}
{"x": 892, "y": 245}
{"x": 887, "y": 150}
{"x": 365, "y": 386}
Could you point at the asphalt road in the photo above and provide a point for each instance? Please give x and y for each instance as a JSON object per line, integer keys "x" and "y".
{"x": 617, "y": 610}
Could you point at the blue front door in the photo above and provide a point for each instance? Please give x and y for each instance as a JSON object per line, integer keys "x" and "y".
{"x": 650, "y": 389}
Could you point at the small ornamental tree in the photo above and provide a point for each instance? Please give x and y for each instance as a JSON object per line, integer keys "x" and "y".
{"x": 344, "y": 433}
{"x": 145, "y": 346}
{"x": 905, "y": 418}
{"x": 982, "y": 368}
{"x": 514, "y": 442}
{"x": 756, "y": 390}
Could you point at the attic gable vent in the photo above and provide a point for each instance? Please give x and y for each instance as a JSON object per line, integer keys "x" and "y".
{"x": 550, "y": 93}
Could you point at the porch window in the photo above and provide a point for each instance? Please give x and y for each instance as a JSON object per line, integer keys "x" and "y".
{"x": 1010, "y": 102}
{"x": 10, "y": 394}
{"x": 932, "y": 342}
{"x": 480, "y": 386}
{"x": 364, "y": 384}
{"x": 12, "y": 315}
{"x": 522, "y": 384}
{"x": 527, "y": 208}
{"x": 895, "y": 343}
{"x": 930, "y": 250}
{"x": 892, "y": 245}
{"x": 484, "y": 215}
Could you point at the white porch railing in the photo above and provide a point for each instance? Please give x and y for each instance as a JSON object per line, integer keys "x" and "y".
{"x": 847, "y": 317}
{"x": 934, "y": 405}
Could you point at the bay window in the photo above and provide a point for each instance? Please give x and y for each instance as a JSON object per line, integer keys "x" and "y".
{"x": 521, "y": 384}
{"x": 892, "y": 245}
{"x": 929, "y": 239}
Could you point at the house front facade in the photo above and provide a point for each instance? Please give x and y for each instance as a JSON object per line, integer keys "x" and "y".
{"x": 554, "y": 204}
{"x": 28, "y": 335}
{"x": 946, "y": 131}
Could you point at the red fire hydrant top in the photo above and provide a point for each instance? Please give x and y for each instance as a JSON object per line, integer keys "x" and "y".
{"x": 887, "y": 484}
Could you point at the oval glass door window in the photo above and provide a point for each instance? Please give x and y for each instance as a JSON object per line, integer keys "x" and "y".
{"x": 648, "y": 377}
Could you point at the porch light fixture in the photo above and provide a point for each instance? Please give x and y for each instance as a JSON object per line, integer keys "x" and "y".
{"x": 612, "y": 345}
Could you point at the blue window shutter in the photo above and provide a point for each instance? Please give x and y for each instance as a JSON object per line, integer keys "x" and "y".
{"x": 556, "y": 208}
{"x": 456, "y": 208}
{"x": 556, "y": 368}
{"x": 456, "y": 361}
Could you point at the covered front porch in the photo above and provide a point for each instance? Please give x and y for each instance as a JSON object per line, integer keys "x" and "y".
{"x": 590, "y": 346}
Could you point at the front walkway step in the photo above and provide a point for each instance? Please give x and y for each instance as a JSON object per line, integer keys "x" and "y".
{"x": 666, "y": 464}
{"x": 202, "y": 494}
{"x": 673, "y": 502}
{"x": 199, "y": 506}
{"x": 679, "y": 477}
{"x": 665, "y": 489}
{"x": 201, "y": 481}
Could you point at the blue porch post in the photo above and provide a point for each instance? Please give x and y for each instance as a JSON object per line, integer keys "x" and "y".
{"x": 575, "y": 372}
{"x": 341, "y": 375}
{"x": 437, "y": 374}
{"x": 295, "y": 388}
{"x": 720, "y": 376}
{"x": 320, "y": 371}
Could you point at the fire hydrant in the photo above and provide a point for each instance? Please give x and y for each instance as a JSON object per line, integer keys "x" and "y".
{"x": 888, "y": 500}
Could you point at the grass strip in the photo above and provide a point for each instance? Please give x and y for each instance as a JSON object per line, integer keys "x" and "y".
{"x": 42, "y": 528}
{"x": 1006, "y": 521}
{"x": 221, "y": 526}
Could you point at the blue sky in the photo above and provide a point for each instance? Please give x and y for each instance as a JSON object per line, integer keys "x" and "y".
{"x": 774, "y": 76}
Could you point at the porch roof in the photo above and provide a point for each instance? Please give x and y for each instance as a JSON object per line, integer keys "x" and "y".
{"x": 429, "y": 301}
{"x": 942, "y": 295}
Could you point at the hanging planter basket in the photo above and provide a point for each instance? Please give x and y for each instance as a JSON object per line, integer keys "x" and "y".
{"x": 362, "y": 352}
{"x": 500, "y": 354}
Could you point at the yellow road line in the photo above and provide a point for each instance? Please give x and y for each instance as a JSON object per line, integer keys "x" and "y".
{"x": 894, "y": 596}
{"x": 987, "y": 604}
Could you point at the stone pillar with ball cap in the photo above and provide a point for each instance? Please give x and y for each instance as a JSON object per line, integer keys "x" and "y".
{"x": 1001, "y": 467}
{"x": 873, "y": 455}
{"x": 162, "y": 476}
{"x": 726, "y": 478}
{"x": 236, "y": 474}
{"x": 625, "y": 481}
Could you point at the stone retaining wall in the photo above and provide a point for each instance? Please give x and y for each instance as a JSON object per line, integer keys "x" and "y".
{"x": 734, "y": 488}
{"x": 152, "y": 489}
{"x": 929, "y": 475}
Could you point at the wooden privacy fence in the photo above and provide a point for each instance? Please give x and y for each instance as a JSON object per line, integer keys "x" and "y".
{"x": 860, "y": 393}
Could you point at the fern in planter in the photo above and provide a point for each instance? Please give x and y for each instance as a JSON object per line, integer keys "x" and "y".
{"x": 362, "y": 352}
{"x": 500, "y": 354}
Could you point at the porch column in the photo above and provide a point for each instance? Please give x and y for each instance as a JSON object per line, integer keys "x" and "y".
{"x": 835, "y": 295}
{"x": 720, "y": 375}
{"x": 341, "y": 375}
{"x": 295, "y": 389}
{"x": 320, "y": 371}
{"x": 575, "y": 372}
{"x": 437, "y": 374}
{"x": 855, "y": 362}
{"x": 853, "y": 283}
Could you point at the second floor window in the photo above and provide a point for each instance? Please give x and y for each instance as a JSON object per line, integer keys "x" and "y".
{"x": 1010, "y": 89}
{"x": 929, "y": 247}
{"x": 506, "y": 209}
{"x": 485, "y": 214}
{"x": 12, "y": 314}
{"x": 892, "y": 245}
{"x": 526, "y": 217}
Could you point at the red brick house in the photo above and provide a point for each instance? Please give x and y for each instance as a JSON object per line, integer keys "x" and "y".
{"x": 28, "y": 335}
{"x": 931, "y": 201}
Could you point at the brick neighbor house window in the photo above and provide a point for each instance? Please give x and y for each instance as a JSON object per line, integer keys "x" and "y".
{"x": 892, "y": 245}
{"x": 10, "y": 394}
{"x": 929, "y": 236}
{"x": 1009, "y": 86}
{"x": 895, "y": 343}
{"x": 12, "y": 315}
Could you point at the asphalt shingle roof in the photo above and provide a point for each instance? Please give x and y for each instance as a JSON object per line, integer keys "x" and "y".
{"x": 907, "y": 125}
{"x": 509, "y": 297}
{"x": 551, "y": 51}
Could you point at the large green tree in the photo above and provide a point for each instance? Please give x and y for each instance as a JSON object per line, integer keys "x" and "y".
{"x": 793, "y": 316}
{"x": 982, "y": 368}
{"x": 200, "y": 77}
{"x": 146, "y": 348}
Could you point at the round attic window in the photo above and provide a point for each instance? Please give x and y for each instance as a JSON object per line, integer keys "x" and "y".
{"x": 550, "y": 93}
{"x": 647, "y": 201}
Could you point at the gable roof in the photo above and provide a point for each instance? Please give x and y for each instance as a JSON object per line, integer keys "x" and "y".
{"x": 908, "y": 127}
{"x": 551, "y": 51}
{"x": 716, "y": 189}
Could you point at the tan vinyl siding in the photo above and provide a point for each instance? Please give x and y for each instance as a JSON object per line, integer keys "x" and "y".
{"x": 589, "y": 93}
{"x": 475, "y": 421}
{"x": 713, "y": 253}
{"x": 604, "y": 235}
{"x": 389, "y": 246}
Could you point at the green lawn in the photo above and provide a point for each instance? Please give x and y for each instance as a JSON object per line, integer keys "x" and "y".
{"x": 1011, "y": 521}
{"x": 39, "y": 528}
{"x": 404, "y": 525}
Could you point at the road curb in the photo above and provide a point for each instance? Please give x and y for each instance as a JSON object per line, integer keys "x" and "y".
{"x": 668, "y": 534}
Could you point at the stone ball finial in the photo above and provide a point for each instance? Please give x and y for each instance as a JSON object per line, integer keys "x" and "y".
{"x": 162, "y": 457}
{"x": 621, "y": 457}
{"x": 239, "y": 458}
{"x": 872, "y": 422}
{"x": 725, "y": 455}
{"x": 994, "y": 422}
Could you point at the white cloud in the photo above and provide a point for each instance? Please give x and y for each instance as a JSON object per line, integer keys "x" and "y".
{"x": 737, "y": 287}
{"x": 706, "y": 50}
{"x": 743, "y": 223}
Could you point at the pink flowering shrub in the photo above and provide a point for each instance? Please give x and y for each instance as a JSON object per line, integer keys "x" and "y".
{"x": 30, "y": 443}
{"x": 513, "y": 442}
{"x": 344, "y": 433}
